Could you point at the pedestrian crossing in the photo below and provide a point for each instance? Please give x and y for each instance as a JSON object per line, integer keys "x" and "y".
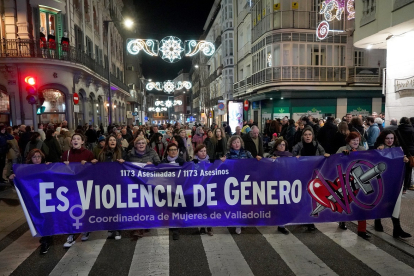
{"x": 257, "y": 251}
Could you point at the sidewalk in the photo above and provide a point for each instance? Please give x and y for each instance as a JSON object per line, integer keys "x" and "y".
{"x": 406, "y": 219}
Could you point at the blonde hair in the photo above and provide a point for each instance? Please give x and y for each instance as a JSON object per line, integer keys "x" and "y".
{"x": 140, "y": 139}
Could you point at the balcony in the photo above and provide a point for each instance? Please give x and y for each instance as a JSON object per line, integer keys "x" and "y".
{"x": 365, "y": 75}
{"x": 27, "y": 49}
{"x": 290, "y": 19}
{"x": 291, "y": 74}
{"x": 217, "y": 42}
{"x": 243, "y": 51}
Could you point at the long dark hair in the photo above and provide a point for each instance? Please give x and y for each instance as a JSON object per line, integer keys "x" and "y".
{"x": 34, "y": 137}
{"x": 381, "y": 138}
{"x": 116, "y": 154}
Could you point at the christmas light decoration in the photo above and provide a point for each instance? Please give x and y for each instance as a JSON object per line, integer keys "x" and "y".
{"x": 154, "y": 85}
{"x": 178, "y": 102}
{"x": 169, "y": 86}
{"x": 183, "y": 84}
{"x": 194, "y": 47}
{"x": 328, "y": 6}
{"x": 149, "y": 46}
{"x": 168, "y": 103}
{"x": 351, "y": 9}
{"x": 171, "y": 48}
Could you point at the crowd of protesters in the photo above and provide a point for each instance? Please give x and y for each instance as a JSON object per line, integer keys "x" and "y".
{"x": 179, "y": 144}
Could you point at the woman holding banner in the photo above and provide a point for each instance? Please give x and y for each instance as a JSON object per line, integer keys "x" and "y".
{"x": 36, "y": 156}
{"x": 111, "y": 152}
{"x": 386, "y": 140}
{"x": 235, "y": 146}
{"x": 173, "y": 158}
{"x": 280, "y": 150}
{"x": 77, "y": 153}
{"x": 352, "y": 144}
{"x": 309, "y": 147}
{"x": 200, "y": 155}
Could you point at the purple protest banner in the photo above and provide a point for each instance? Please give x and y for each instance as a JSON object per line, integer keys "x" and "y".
{"x": 59, "y": 198}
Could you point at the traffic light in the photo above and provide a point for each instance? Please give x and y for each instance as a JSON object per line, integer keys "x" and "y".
{"x": 40, "y": 110}
{"x": 31, "y": 90}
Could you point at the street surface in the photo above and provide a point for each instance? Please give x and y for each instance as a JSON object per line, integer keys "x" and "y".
{"x": 257, "y": 251}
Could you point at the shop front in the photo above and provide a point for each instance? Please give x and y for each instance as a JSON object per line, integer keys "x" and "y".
{"x": 55, "y": 107}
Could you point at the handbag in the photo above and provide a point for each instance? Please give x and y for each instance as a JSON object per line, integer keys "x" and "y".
{"x": 410, "y": 157}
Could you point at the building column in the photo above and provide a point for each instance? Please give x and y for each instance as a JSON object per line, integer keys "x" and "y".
{"x": 86, "y": 108}
{"x": 341, "y": 107}
{"x": 69, "y": 111}
{"x": 376, "y": 105}
{"x": 22, "y": 24}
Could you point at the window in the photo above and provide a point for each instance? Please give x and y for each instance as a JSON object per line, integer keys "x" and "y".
{"x": 78, "y": 39}
{"x": 48, "y": 22}
{"x": 359, "y": 58}
{"x": 89, "y": 47}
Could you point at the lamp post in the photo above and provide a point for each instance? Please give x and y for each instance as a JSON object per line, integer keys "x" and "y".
{"x": 127, "y": 23}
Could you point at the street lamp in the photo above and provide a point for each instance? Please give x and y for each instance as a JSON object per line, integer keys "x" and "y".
{"x": 127, "y": 23}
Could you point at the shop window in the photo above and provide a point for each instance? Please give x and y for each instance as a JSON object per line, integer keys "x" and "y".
{"x": 55, "y": 106}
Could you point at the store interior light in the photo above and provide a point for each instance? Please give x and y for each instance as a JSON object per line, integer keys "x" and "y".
{"x": 196, "y": 66}
{"x": 281, "y": 98}
{"x": 107, "y": 104}
{"x": 114, "y": 106}
{"x": 369, "y": 46}
{"x": 271, "y": 99}
{"x": 97, "y": 104}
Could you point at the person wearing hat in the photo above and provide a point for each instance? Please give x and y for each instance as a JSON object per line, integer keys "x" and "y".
{"x": 97, "y": 149}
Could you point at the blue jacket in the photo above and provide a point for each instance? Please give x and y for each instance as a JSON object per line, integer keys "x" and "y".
{"x": 242, "y": 154}
{"x": 372, "y": 134}
{"x": 3, "y": 142}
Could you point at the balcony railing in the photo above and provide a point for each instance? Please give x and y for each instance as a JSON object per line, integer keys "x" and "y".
{"x": 290, "y": 19}
{"x": 352, "y": 75}
{"x": 365, "y": 75}
{"x": 27, "y": 48}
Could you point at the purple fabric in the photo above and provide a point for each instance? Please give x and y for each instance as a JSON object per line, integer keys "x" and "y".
{"x": 59, "y": 198}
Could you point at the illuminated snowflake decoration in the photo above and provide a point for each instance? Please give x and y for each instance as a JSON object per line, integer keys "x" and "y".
{"x": 172, "y": 49}
{"x": 169, "y": 87}
{"x": 168, "y": 103}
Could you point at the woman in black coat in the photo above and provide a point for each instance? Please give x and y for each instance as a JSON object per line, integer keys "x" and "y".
{"x": 405, "y": 135}
{"x": 55, "y": 152}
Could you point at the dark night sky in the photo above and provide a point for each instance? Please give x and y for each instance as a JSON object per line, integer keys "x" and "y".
{"x": 157, "y": 19}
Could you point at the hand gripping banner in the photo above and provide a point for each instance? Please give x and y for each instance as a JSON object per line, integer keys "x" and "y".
{"x": 59, "y": 198}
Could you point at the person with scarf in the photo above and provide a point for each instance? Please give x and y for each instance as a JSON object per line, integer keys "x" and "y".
{"x": 387, "y": 139}
{"x": 182, "y": 150}
{"x": 236, "y": 150}
{"x": 173, "y": 158}
{"x": 77, "y": 153}
{"x": 200, "y": 155}
{"x": 280, "y": 150}
{"x": 352, "y": 144}
{"x": 198, "y": 137}
{"x": 157, "y": 144}
{"x": 111, "y": 152}
{"x": 187, "y": 143}
{"x": 36, "y": 143}
{"x": 308, "y": 147}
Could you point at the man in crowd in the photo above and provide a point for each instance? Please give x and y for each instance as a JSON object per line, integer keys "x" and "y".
{"x": 91, "y": 137}
{"x": 348, "y": 118}
{"x": 393, "y": 125}
{"x": 373, "y": 132}
{"x": 41, "y": 131}
{"x": 238, "y": 131}
{"x": 284, "y": 126}
{"x": 126, "y": 135}
{"x": 253, "y": 142}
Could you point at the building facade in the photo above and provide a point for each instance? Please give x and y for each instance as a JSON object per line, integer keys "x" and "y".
{"x": 384, "y": 24}
{"x": 64, "y": 46}
{"x": 213, "y": 79}
{"x": 284, "y": 69}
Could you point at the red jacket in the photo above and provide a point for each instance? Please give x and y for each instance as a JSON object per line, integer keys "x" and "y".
{"x": 77, "y": 155}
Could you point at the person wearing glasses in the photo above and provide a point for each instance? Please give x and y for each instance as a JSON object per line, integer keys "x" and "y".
{"x": 173, "y": 158}
{"x": 280, "y": 150}
{"x": 36, "y": 156}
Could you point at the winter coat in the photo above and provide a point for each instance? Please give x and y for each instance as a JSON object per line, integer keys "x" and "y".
{"x": 209, "y": 146}
{"x": 14, "y": 151}
{"x": 91, "y": 136}
{"x": 109, "y": 156}
{"x": 150, "y": 155}
{"x": 96, "y": 150}
{"x": 250, "y": 146}
{"x": 299, "y": 146}
{"x": 372, "y": 134}
{"x": 55, "y": 152}
{"x": 214, "y": 147}
{"x": 290, "y": 136}
{"x": 326, "y": 136}
{"x": 198, "y": 140}
{"x": 406, "y": 133}
{"x": 77, "y": 155}
{"x": 242, "y": 154}
{"x": 189, "y": 147}
{"x": 38, "y": 145}
{"x": 348, "y": 148}
{"x": 338, "y": 141}
{"x": 24, "y": 139}
{"x": 297, "y": 138}
{"x": 179, "y": 160}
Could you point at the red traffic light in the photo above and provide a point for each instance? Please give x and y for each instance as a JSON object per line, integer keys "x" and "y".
{"x": 30, "y": 80}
